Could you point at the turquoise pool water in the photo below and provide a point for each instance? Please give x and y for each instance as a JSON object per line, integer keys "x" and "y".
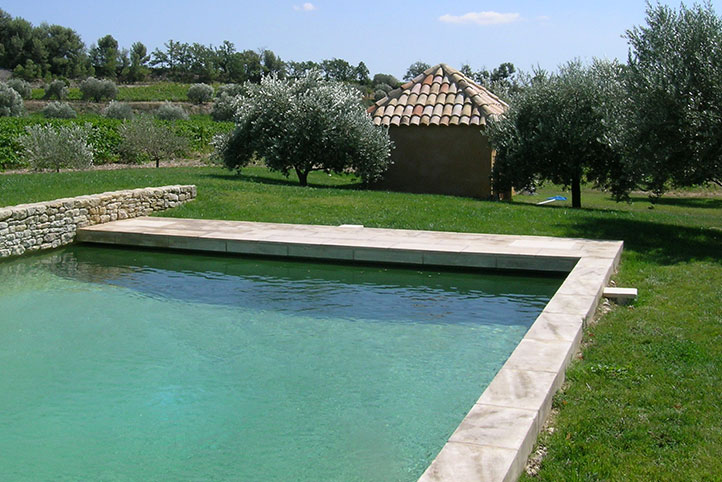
{"x": 140, "y": 365}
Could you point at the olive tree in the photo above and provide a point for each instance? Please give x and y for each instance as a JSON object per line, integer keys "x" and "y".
{"x": 200, "y": 93}
{"x": 674, "y": 85}
{"x": 97, "y": 90}
{"x": 142, "y": 139}
{"x": 56, "y": 89}
{"x": 21, "y": 87}
{"x": 224, "y": 103}
{"x": 303, "y": 125}
{"x": 554, "y": 131}
{"x": 54, "y": 147}
{"x": 11, "y": 103}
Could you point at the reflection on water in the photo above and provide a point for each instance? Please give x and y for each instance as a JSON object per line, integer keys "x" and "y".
{"x": 315, "y": 289}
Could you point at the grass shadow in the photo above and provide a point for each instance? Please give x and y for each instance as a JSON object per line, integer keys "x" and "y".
{"x": 684, "y": 202}
{"x": 567, "y": 207}
{"x": 660, "y": 243}
{"x": 274, "y": 181}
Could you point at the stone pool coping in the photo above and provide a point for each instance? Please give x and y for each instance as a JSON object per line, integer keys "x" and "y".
{"x": 494, "y": 440}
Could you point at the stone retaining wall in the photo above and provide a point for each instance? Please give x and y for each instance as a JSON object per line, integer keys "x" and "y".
{"x": 45, "y": 225}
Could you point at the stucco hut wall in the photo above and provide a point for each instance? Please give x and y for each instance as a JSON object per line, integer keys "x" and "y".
{"x": 453, "y": 160}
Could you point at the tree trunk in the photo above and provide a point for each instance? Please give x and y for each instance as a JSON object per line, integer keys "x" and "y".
{"x": 302, "y": 177}
{"x": 576, "y": 191}
{"x": 157, "y": 163}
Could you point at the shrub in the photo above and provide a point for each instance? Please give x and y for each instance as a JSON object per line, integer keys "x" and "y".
{"x": 168, "y": 111}
{"x": 118, "y": 110}
{"x": 97, "y": 90}
{"x": 385, "y": 88}
{"x": 379, "y": 94}
{"x": 304, "y": 125}
{"x": 59, "y": 110}
{"x": 143, "y": 139}
{"x": 231, "y": 90}
{"x": 11, "y": 103}
{"x": 199, "y": 131}
{"x": 223, "y": 107}
{"x": 200, "y": 93}
{"x": 21, "y": 87}
{"x": 52, "y": 147}
{"x": 56, "y": 89}
{"x": 387, "y": 79}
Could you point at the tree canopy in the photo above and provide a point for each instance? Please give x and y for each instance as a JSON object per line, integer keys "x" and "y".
{"x": 46, "y": 50}
{"x": 554, "y": 131}
{"x": 415, "y": 69}
{"x": 673, "y": 123}
{"x": 306, "y": 124}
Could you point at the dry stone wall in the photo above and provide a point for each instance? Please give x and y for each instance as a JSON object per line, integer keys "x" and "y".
{"x": 45, "y": 225}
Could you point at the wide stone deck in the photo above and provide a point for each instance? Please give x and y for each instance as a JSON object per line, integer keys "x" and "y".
{"x": 495, "y": 438}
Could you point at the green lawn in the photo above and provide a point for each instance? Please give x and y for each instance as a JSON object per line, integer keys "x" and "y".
{"x": 643, "y": 400}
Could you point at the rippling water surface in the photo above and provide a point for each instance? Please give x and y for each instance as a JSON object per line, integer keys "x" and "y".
{"x": 140, "y": 365}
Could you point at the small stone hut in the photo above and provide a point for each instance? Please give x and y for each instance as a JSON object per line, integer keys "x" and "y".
{"x": 437, "y": 123}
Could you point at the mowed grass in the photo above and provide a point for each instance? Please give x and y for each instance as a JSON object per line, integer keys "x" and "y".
{"x": 642, "y": 400}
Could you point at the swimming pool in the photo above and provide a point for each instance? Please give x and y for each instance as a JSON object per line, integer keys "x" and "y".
{"x": 151, "y": 365}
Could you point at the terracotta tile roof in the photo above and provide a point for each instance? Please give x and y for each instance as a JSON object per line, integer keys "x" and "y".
{"x": 440, "y": 96}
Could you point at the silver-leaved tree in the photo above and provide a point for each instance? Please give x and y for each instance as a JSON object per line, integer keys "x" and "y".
{"x": 554, "y": 131}
{"x": 304, "y": 125}
{"x": 674, "y": 85}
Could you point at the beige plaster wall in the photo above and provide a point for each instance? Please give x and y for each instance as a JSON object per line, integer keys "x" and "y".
{"x": 452, "y": 160}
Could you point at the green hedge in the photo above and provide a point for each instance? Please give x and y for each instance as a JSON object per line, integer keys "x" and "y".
{"x": 105, "y": 138}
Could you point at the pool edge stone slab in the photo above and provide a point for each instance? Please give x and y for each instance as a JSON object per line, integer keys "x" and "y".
{"x": 494, "y": 440}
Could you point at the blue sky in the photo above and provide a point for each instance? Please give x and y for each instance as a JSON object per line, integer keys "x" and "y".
{"x": 387, "y": 35}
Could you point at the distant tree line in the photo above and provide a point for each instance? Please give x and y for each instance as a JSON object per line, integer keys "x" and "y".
{"x": 52, "y": 51}
{"x": 41, "y": 52}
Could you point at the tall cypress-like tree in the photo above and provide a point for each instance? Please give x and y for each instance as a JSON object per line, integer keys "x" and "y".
{"x": 138, "y": 62}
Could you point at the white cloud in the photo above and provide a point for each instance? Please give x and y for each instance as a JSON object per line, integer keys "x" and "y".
{"x": 306, "y": 7}
{"x": 481, "y": 18}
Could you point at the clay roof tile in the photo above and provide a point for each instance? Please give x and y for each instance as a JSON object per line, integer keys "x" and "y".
{"x": 439, "y": 96}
